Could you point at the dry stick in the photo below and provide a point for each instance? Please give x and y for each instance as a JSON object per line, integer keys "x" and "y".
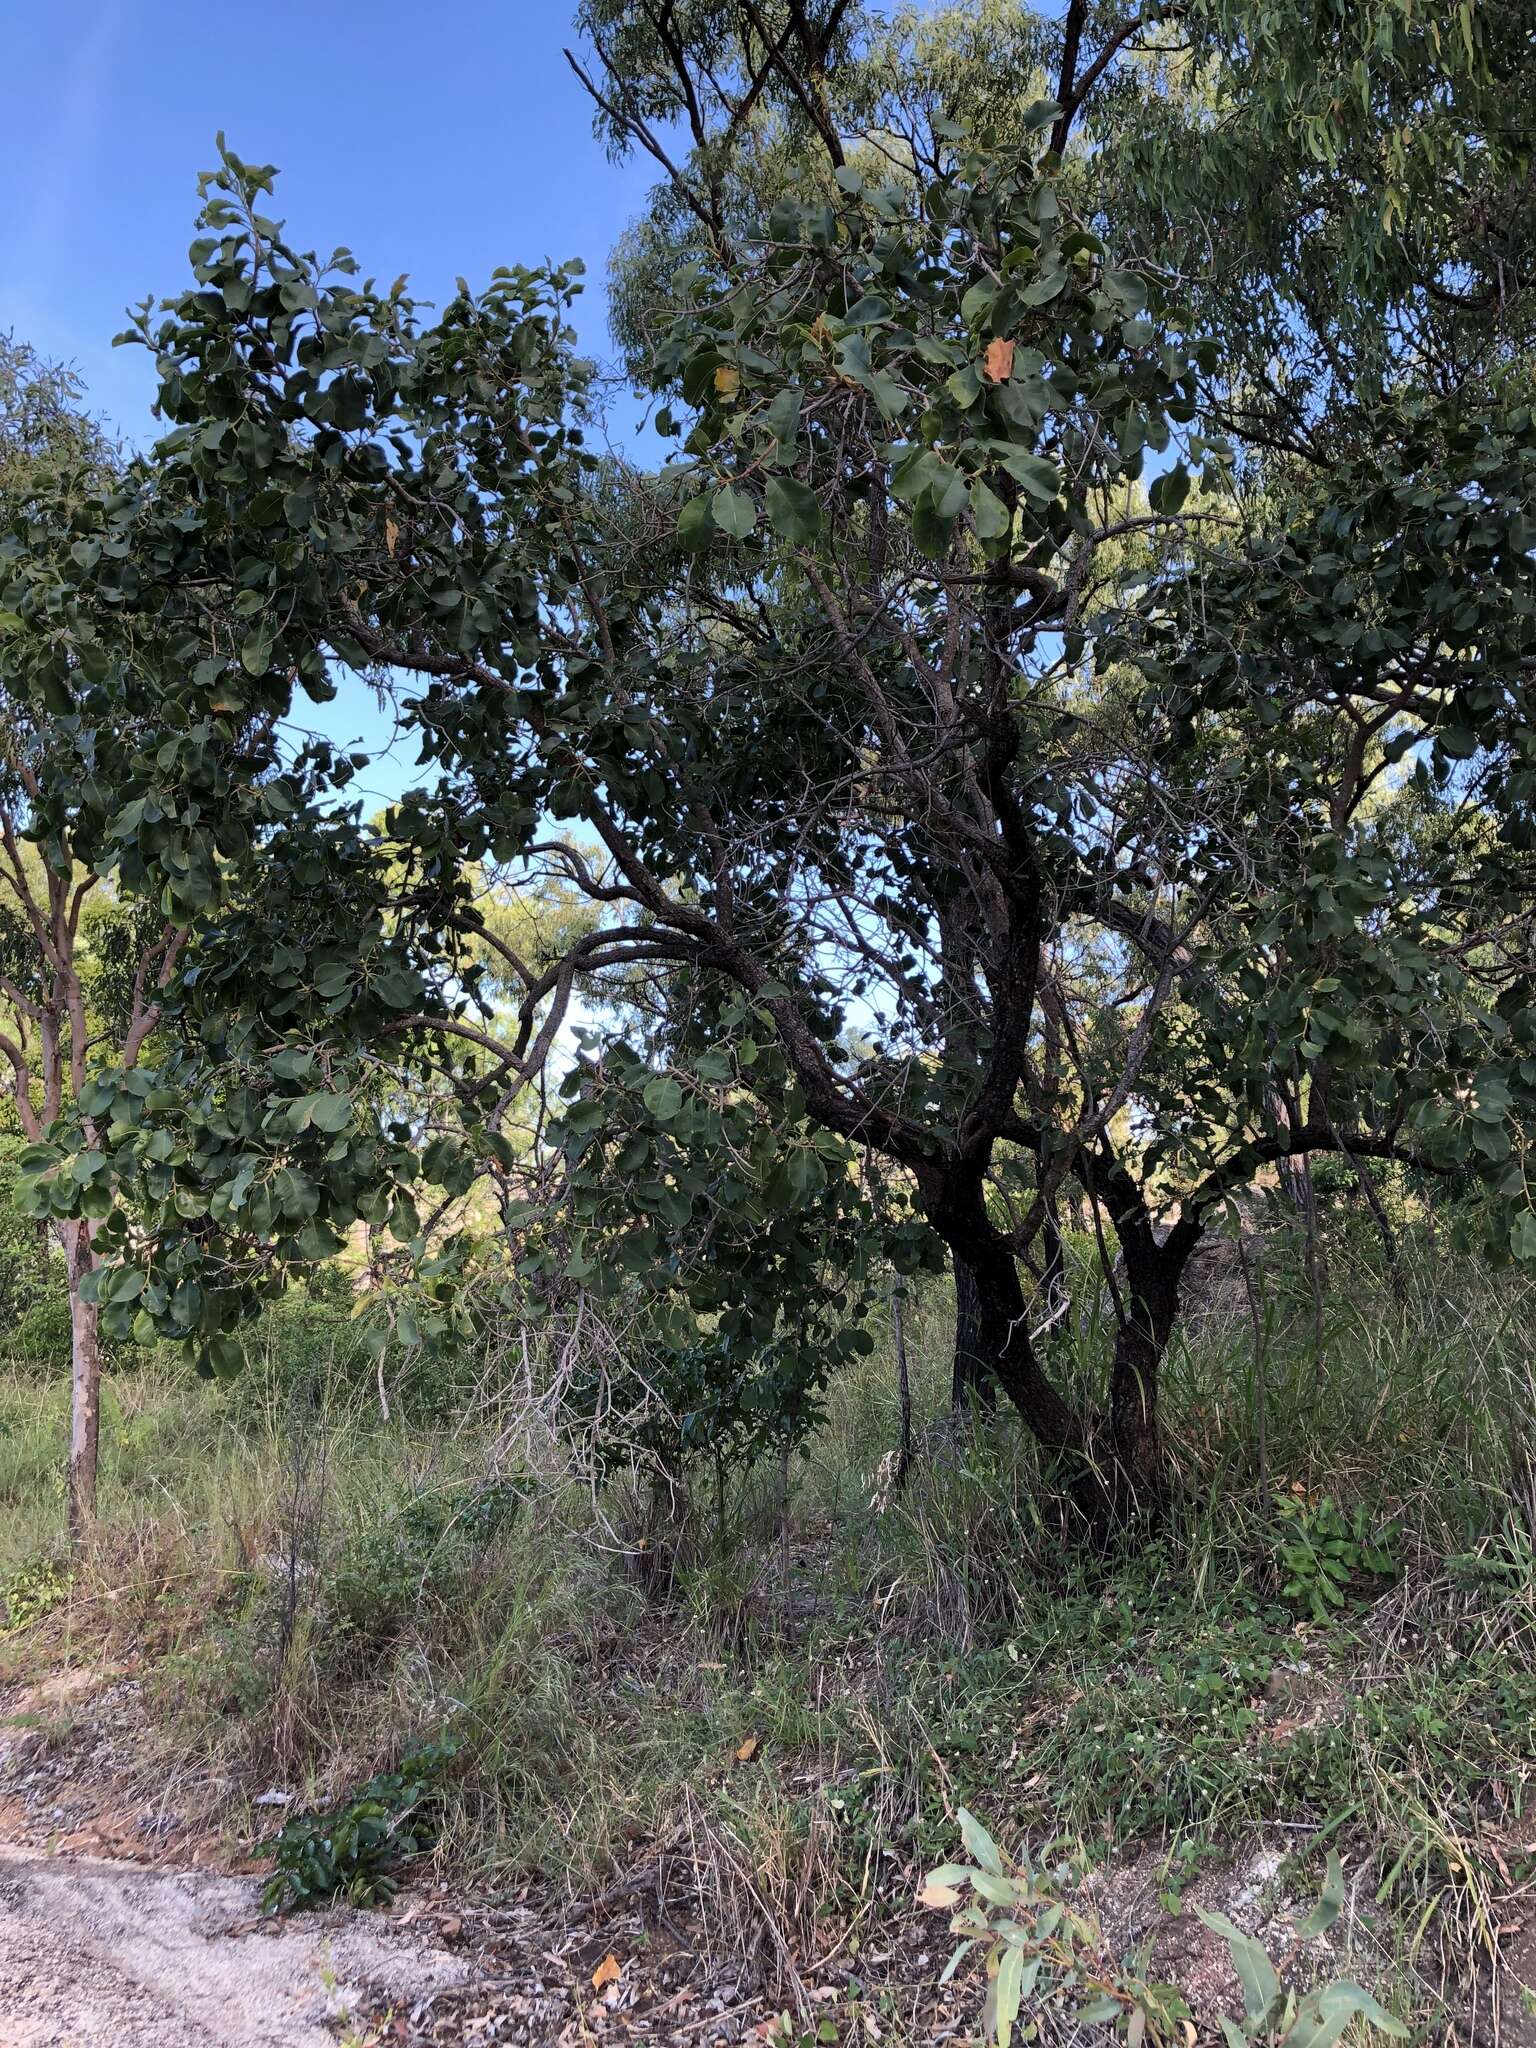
{"x": 904, "y": 1391}
{"x": 1314, "y": 1275}
{"x": 1260, "y": 1368}
{"x": 784, "y": 1572}
{"x": 1374, "y": 1203}
{"x": 1296, "y": 1173}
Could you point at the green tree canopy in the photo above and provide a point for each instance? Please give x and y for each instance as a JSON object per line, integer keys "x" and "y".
{"x": 900, "y": 711}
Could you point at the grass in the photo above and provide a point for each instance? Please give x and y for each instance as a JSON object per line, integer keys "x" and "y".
{"x": 799, "y": 1711}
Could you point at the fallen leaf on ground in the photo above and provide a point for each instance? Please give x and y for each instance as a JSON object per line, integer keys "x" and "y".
{"x": 608, "y": 1971}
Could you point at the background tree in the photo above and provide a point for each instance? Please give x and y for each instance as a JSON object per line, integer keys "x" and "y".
{"x": 75, "y": 976}
{"x": 135, "y": 832}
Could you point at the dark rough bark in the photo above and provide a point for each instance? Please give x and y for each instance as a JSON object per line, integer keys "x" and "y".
{"x": 903, "y": 1394}
{"x": 1004, "y": 1342}
{"x": 1131, "y": 1455}
{"x": 971, "y": 1379}
{"x": 957, "y": 1211}
{"x": 85, "y": 1402}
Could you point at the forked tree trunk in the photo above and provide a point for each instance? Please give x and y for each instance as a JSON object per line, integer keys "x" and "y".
{"x": 85, "y": 1370}
{"x": 1121, "y": 1476}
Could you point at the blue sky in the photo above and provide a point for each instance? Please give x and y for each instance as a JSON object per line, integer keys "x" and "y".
{"x": 437, "y": 140}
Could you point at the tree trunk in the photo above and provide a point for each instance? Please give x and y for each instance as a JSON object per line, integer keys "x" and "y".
{"x": 85, "y": 1410}
{"x": 1121, "y": 1476}
{"x": 970, "y": 1380}
{"x": 1135, "y": 1472}
{"x": 904, "y": 1394}
{"x": 1004, "y": 1349}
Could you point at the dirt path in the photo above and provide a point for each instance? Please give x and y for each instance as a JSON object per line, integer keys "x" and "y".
{"x": 110, "y": 1955}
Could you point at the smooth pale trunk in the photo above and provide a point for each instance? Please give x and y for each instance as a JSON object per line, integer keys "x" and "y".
{"x": 85, "y": 1403}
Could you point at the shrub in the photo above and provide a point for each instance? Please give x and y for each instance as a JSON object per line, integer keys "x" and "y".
{"x": 1322, "y": 1550}
{"x": 43, "y": 1337}
{"x": 31, "y": 1272}
{"x": 350, "y": 1849}
{"x": 30, "y": 1592}
{"x": 422, "y": 1546}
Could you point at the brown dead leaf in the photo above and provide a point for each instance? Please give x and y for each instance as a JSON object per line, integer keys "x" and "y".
{"x": 747, "y": 1750}
{"x": 727, "y": 380}
{"x": 997, "y": 362}
{"x": 608, "y": 1971}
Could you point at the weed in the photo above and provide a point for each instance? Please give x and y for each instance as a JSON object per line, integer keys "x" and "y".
{"x": 1322, "y": 1550}
{"x": 350, "y": 1849}
{"x": 1042, "y": 1956}
{"x": 31, "y": 1591}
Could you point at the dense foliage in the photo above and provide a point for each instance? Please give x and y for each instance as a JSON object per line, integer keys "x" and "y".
{"x": 1057, "y": 730}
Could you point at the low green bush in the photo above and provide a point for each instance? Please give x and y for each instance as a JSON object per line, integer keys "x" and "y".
{"x": 43, "y": 1337}
{"x": 420, "y": 1546}
{"x": 1324, "y": 1551}
{"x": 31, "y": 1591}
{"x": 351, "y": 1849}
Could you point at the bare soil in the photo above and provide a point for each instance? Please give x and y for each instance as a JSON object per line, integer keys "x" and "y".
{"x": 103, "y": 1954}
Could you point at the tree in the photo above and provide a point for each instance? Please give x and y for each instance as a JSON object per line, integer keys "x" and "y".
{"x": 135, "y": 836}
{"x": 51, "y": 1029}
{"x": 900, "y": 701}
{"x": 1342, "y": 195}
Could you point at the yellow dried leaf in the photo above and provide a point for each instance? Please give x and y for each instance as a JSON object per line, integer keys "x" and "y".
{"x": 727, "y": 380}
{"x": 938, "y": 1895}
{"x": 997, "y": 362}
{"x": 607, "y": 1972}
{"x": 391, "y": 535}
{"x": 747, "y": 1750}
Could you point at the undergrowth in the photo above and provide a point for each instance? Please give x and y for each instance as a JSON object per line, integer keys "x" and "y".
{"x": 1335, "y": 1648}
